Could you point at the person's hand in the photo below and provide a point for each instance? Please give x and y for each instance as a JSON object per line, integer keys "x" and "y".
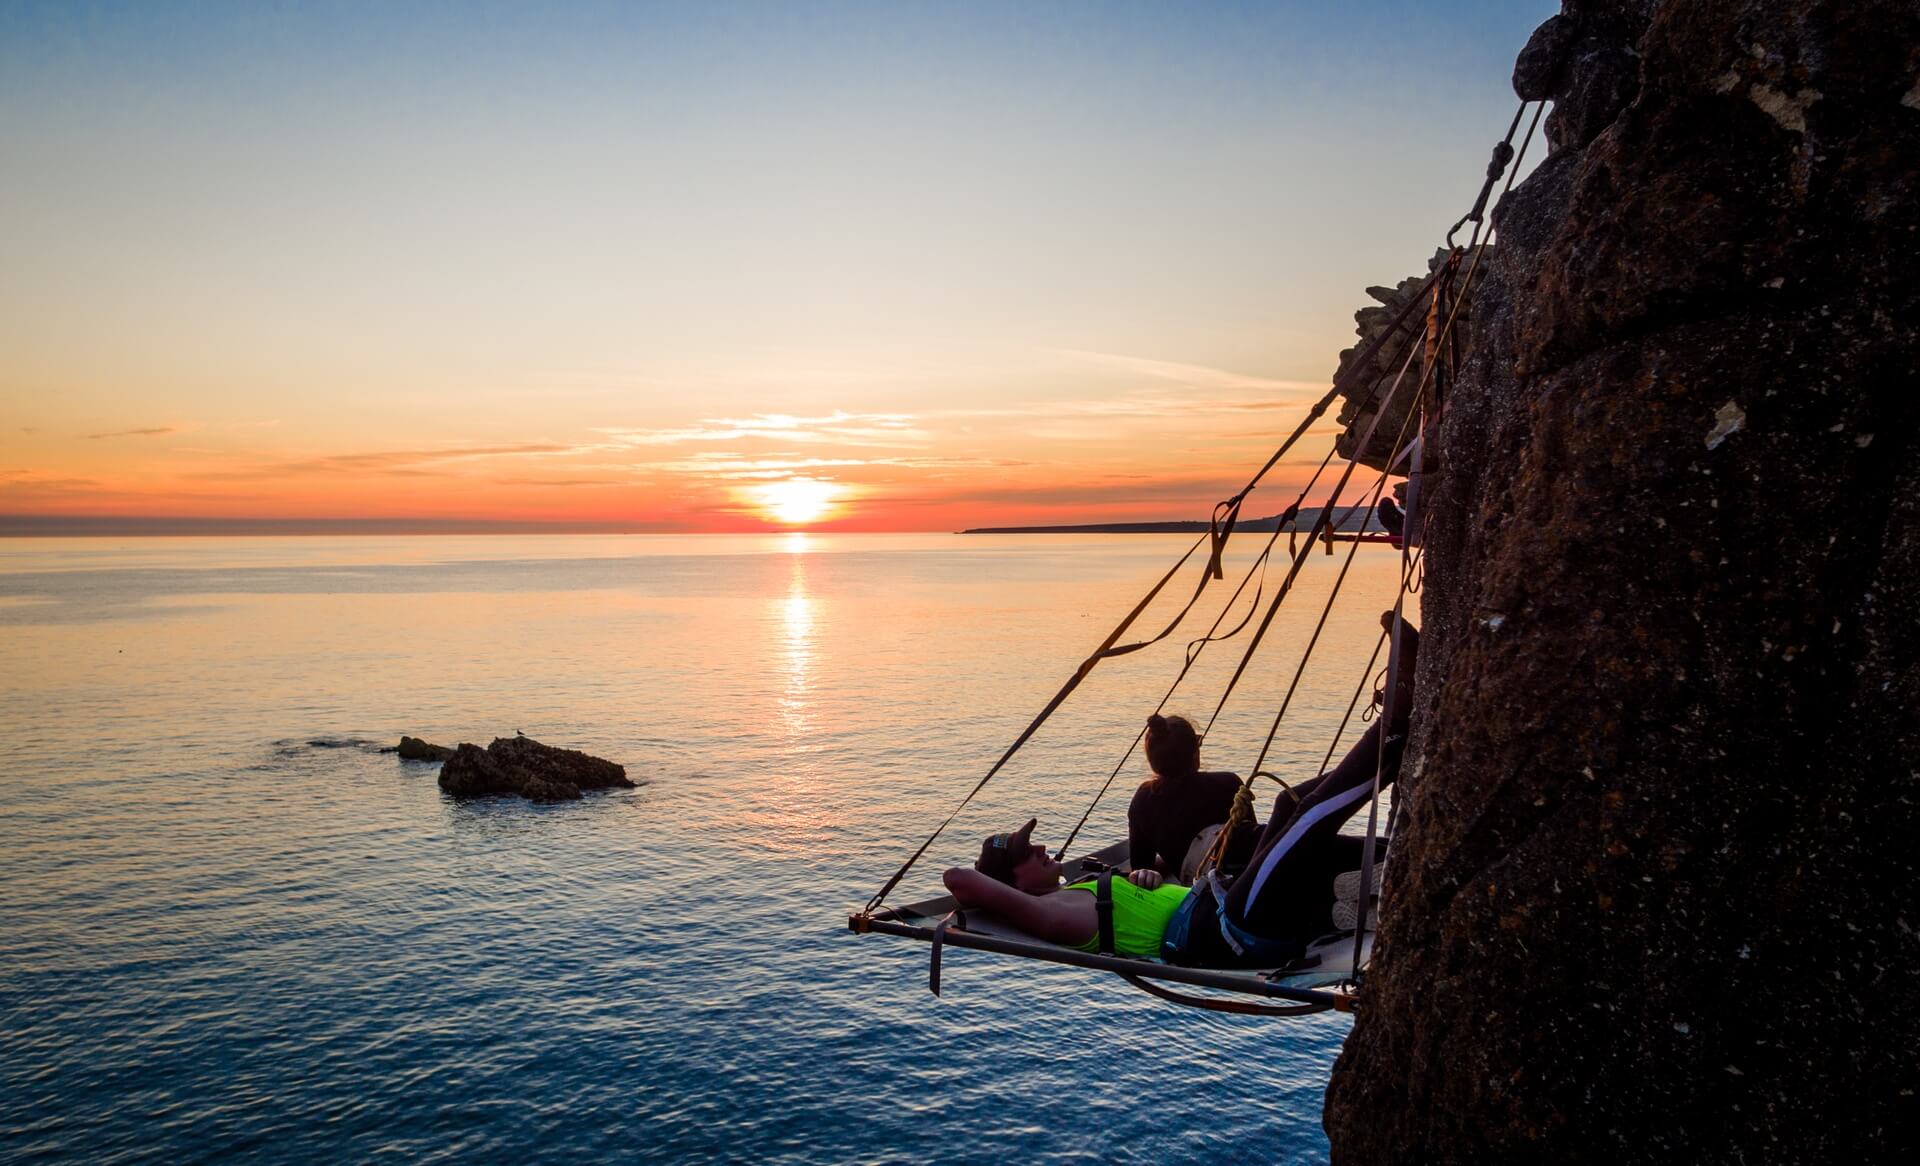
{"x": 1146, "y": 880}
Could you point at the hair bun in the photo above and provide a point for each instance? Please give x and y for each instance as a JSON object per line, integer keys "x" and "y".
{"x": 1173, "y": 747}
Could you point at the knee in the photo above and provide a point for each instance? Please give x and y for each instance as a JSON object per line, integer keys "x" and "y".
{"x": 1284, "y": 804}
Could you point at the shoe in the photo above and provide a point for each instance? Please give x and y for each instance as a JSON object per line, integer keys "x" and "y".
{"x": 1346, "y": 914}
{"x": 1346, "y": 887}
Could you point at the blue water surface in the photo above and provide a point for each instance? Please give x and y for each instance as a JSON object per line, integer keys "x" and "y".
{"x": 235, "y": 929}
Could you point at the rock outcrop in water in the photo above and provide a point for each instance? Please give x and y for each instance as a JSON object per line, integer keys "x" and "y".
{"x": 414, "y": 749}
{"x": 1655, "y": 896}
{"x": 523, "y": 767}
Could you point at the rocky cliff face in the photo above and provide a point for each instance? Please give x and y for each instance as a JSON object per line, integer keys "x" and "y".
{"x": 1655, "y": 898}
{"x": 1375, "y": 390}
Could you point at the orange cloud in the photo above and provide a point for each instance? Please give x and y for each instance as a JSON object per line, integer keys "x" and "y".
{"x": 392, "y": 462}
{"x": 853, "y": 429}
{"x": 152, "y": 431}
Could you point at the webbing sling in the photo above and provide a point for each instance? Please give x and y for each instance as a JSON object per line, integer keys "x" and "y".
{"x": 956, "y": 916}
{"x": 1103, "y": 911}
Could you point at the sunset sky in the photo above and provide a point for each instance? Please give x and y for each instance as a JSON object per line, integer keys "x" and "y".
{"x": 706, "y": 266}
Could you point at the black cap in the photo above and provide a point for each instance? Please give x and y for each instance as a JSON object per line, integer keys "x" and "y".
{"x": 1002, "y": 852}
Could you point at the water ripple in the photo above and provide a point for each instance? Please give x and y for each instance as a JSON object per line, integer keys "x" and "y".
{"x": 237, "y": 930}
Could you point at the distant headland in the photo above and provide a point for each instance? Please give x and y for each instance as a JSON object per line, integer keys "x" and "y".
{"x": 1346, "y": 518}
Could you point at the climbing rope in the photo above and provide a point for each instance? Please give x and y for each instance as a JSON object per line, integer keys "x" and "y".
{"x": 1496, "y": 166}
{"x": 1220, "y": 528}
{"x": 1394, "y": 658}
{"x": 1243, "y": 811}
{"x": 1322, "y": 522}
{"x": 1479, "y": 245}
{"x": 1258, "y": 568}
{"x": 1299, "y": 559}
{"x": 1225, "y": 516}
{"x": 1327, "y": 609}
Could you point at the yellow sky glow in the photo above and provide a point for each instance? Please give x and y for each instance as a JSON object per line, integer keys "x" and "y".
{"x": 661, "y": 268}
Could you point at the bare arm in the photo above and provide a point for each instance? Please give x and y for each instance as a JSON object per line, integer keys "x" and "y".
{"x": 1140, "y": 851}
{"x": 1062, "y": 917}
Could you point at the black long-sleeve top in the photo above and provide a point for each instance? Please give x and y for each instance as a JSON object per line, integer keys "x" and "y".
{"x": 1167, "y": 813}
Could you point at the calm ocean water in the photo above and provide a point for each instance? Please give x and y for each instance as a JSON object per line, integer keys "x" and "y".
{"x": 235, "y": 930}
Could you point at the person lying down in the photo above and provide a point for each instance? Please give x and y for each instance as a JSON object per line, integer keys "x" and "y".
{"x": 1286, "y": 898}
{"x": 1016, "y": 879}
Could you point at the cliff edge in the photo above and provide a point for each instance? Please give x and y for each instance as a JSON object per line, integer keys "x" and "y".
{"x": 1655, "y": 896}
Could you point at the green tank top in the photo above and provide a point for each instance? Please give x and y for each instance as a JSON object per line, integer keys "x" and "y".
{"x": 1139, "y": 916}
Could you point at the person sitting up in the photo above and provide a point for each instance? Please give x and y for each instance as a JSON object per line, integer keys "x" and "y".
{"x": 1017, "y": 880}
{"x": 1284, "y": 898}
{"x": 1177, "y": 803}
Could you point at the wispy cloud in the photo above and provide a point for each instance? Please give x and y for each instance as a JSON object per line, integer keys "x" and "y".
{"x": 841, "y": 428}
{"x": 952, "y": 463}
{"x": 728, "y": 466}
{"x": 561, "y": 481}
{"x": 1134, "y": 407}
{"x": 1195, "y": 493}
{"x": 150, "y": 431}
{"x": 1194, "y": 376}
{"x": 407, "y": 463}
{"x": 38, "y": 486}
{"x": 736, "y": 466}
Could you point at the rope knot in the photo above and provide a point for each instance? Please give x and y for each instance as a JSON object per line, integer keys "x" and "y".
{"x": 1242, "y": 806}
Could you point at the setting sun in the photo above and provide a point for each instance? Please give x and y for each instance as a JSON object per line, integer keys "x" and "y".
{"x": 796, "y": 501}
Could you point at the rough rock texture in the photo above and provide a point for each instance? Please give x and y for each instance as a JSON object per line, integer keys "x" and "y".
{"x": 1543, "y": 62}
{"x": 414, "y": 749}
{"x": 1358, "y": 406}
{"x": 524, "y": 767}
{"x": 1655, "y": 897}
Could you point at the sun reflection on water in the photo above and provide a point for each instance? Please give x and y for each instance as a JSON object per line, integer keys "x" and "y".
{"x": 797, "y": 619}
{"x": 789, "y": 815}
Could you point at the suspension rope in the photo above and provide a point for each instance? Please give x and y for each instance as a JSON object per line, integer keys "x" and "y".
{"x": 1327, "y": 608}
{"x": 1497, "y": 165}
{"x": 1368, "y": 848}
{"x": 1243, "y": 810}
{"x": 1219, "y": 529}
{"x": 1073, "y": 682}
{"x": 1196, "y": 647}
{"x": 1366, "y": 674}
{"x": 1395, "y": 660}
{"x": 1299, "y": 558}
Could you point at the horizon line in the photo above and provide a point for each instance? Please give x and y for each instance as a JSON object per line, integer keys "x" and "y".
{"x": 187, "y": 526}
{"x": 125, "y": 525}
